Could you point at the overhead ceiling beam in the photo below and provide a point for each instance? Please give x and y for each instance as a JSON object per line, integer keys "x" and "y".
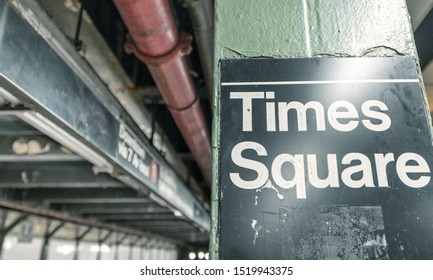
{"x": 118, "y": 217}
{"x": 54, "y": 175}
{"x": 142, "y": 217}
{"x": 157, "y": 223}
{"x": 73, "y": 194}
{"x": 110, "y": 208}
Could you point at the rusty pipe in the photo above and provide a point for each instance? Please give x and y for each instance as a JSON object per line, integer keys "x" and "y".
{"x": 154, "y": 39}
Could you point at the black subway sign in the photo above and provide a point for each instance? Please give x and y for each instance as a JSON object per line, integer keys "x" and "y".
{"x": 309, "y": 139}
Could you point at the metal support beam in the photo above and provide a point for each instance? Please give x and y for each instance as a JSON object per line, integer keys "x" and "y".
{"x": 141, "y": 251}
{"x": 131, "y": 245}
{"x": 6, "y": 229}
{"x": 101, "y": 240}
{"x": 78, "y": 238}
{"x": 158, "y": 224}
{"x": 90, "y": 208}
{"x": 54, "y": 175}
{"x": 79, "y": 195}
{"x": 117, "y": 242}
{"x": 115, "y": 217}
{"x": 3, "y": 217}
{"x": 143, "y": 242}
{"x": 48, "y": 234}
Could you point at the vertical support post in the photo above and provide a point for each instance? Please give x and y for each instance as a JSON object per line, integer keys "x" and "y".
{"x": 78, "y": 238}
{"x": 144, "y": 242}
{"x": 117, "y": 242}
{"x": 141, "y": 251}
{"x": 300, "y": 29}
{"x": 131, "y": 246}
{"x": 3, "y": 218}
{"x": 160, "y": 250}
{"x": 47, "y": 237}
{"x": 101, "y": 241}
{"x": 4, "y": 230}
{"x": 43, "y": 254}
{"x": 98, "y": 255}
{"x": 151, "y": 245}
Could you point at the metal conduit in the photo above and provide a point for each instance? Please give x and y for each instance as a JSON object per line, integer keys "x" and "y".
{"x": 201, "y": 13}
{"x": 154, "y": 39}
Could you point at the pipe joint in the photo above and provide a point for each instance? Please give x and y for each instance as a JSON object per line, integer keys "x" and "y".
{"x": 184, "y": 108}
{"x": 182, "y": 48}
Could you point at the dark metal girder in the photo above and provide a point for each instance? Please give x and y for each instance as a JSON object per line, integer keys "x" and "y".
{"x": 157, "y": 223}
{"x": 53, "y": 175}
{"x": 13, "y": 126}
{"x": 108, "y": 211}
{"x": 83, "y": 195}
{"x": 87, "y": 201}
{"x": 5, "y": 229}
{"x": 188, "y": 236}
{"x": 48, "y": 234}
{"x": 136, "y": 217}
{"x": 133, "y": 216}
{"x": 173, "y": 230}
{"x": 90, "y": 208}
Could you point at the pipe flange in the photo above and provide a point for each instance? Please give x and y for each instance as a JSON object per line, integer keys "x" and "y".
{"x": 182, "y": 48}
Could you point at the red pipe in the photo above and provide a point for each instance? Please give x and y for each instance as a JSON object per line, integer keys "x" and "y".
{"x": 154, "y": 39}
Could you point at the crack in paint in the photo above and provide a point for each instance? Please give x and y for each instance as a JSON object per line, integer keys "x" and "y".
{"x": 233, "y": 52}
{"x": 382, "y": 50}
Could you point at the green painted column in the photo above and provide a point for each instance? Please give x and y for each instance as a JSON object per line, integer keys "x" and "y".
{"x": 300, "y": 29}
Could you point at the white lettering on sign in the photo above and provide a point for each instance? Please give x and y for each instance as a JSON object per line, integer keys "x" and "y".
{"x": 357, "y": 170}
{"x": 342, "y": 115}
{"x": 129, "y": 149}
{"x": 306, "y": 167}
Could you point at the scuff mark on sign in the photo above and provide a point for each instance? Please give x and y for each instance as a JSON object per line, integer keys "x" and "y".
{"x": 256, "y": 229}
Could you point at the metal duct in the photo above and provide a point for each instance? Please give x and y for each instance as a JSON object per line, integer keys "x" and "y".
{"x": 154, "y": 39}
{"x": 201, "y": 13}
